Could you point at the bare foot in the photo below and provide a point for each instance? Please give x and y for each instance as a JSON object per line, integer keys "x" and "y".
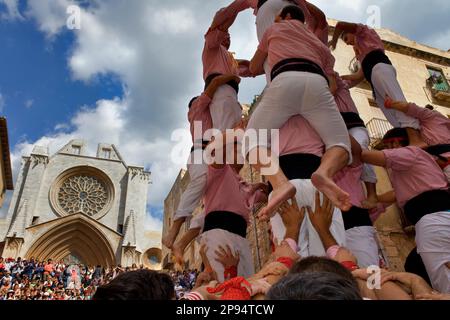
{"x": 338, "y": 197}
{"x": 169, "y": 239}
{"x": 178, "y": 254}
{"x": 280, "y": 195}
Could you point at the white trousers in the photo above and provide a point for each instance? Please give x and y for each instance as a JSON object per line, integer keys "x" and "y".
{"x": 362, "y": 136}
{"x": 433, "y": 245}
{"x": 198, "y": 221}
{"x": 218, "y": 237}
{"x": 195, "y": 189}
{"x": 384, "y": 80}
{"x": 363, "y": 243}
{"x": 309, "y": 242}
{"x": 298, "y": 93}
{"x": 225, "y": 109}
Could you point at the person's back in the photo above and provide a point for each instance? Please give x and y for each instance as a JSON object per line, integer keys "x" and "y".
{"x": 291, "y": 39}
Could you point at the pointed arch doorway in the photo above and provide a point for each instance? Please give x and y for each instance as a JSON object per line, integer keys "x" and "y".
{"x": 76, "y": 240}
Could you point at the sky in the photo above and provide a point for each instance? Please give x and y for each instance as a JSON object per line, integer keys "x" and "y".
{"x": 125, "y": 77}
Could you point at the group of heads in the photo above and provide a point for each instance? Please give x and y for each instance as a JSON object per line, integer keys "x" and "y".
{"x": 312, "y": 278}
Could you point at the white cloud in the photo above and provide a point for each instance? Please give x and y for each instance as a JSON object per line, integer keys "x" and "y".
{"x": 12, "y": 10}
{"x": 152, "y": 224}
{"x": 51, "y": 15}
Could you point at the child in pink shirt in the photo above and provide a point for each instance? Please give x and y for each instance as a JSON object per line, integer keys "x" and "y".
{"x": 378, "y": 71}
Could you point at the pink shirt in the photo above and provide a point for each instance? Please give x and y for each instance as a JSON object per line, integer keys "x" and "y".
{"x": 290, "y": 143}
{"x": 343, "y": 97}
{"x": 311, "y": 22}
{"x": 412, "y": 172}
{"x": 199, "y": 112}
{"x": 367, "y": 40}
{"x": 349, "y": 180}
{"x": 225, "y": 191}
{"x": 216, "y": 58}
{"x": 291, "y": 39}
{"x": 435, "y": 126}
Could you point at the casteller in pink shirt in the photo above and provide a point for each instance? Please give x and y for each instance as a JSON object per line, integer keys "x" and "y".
{"x": 412, "y": 172}
{"x": 367, "y": 40}
{"x": 297, "y": 136}
{"x": 435, "y": 127}
{"x": 292, "y": 39}
{"x": 349, "y": 180}
{"x": 343, "y": 97}
{"x": 225, "y": 191}
{"x": 199, "y": 112}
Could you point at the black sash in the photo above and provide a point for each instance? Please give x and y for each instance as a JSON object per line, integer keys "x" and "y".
{"x": 356, "y": 217}
{"x": 297, "y": 64}
{"x": 261, "y": 3}
{"x": 227, "y": 221}
{"x": 203, "y": 147}
{"x": 438, "y": 150}
{"x": 352, "y": 120}
{"x": 298, "y": 166}
{"x": 426, "y": 203}
{"x": 231, "y": 83}
{"x": 371, "y": 60}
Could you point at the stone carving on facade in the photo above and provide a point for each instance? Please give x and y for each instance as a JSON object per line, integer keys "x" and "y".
{"x": 82, "y": 194}
{"x": 83, "y": 190}
{"x": 39, "y": 160}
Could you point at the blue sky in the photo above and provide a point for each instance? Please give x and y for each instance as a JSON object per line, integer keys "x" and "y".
{"x": 126, "y": 76}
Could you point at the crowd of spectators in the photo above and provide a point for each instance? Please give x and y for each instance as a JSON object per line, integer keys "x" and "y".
{"x": 49, "y": 280}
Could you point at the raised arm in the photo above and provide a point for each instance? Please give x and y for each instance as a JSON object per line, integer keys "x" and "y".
{"x": 342, "y": 27}
{"x": 225, "y": 17}
{"x": 321, "y": 220}
{"x": 257, "y": 62}
{"x": 376, "y": 158}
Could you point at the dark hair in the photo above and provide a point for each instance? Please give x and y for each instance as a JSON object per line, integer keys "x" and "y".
{"x": 314, "y": 286}
{"x": 429, "y": 107}
{"x": 138, "y": 285}
{"x": 294, "y": 11}
{"x": 192, "y": 101}
{"x": 398, "y": 133}
{"x": 321, "y": 264}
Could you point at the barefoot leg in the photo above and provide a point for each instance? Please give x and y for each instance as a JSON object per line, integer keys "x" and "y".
{"x": 333, "y": 160}
{"x": 179, "y": 247}
{"x": 170, "y": 237}
{"x": 267, "y": 164}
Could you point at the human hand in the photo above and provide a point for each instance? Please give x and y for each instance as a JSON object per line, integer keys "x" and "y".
{"x": 259, "y": 286}
{"x": 226, "y": 257}
{"x": 415, "y": 284}
{"x": 322, "y": 217}
{"x": 434, "y": 295}
{"x": 292, "y": 217}
{"x": 270, "y": 269}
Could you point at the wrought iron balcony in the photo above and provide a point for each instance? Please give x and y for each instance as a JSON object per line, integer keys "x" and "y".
{"x": 377, "y": 129}
{"x": 439, "y": 88}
